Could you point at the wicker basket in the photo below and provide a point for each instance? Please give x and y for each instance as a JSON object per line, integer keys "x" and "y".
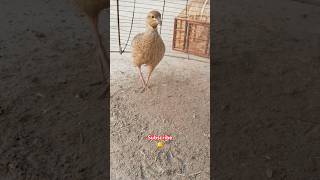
{"x": 192, "y": 29}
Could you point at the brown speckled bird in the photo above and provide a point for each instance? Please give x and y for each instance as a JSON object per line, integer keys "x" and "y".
{"x": 148, "y": 47}
{"x": 92, "y": 9}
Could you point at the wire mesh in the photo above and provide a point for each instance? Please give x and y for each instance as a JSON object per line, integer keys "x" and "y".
{"x": 127, "y": 18}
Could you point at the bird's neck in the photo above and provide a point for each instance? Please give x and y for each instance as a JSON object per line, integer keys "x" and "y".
{"x": 151, "y": 29}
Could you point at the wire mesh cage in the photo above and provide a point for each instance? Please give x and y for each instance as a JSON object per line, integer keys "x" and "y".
{"x": 127, "y": 18}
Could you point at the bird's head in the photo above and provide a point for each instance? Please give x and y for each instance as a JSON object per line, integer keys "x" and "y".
{"x": 153, "y": 19}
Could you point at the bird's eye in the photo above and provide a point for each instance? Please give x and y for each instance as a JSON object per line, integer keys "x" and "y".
{"x": 152, "y": 16}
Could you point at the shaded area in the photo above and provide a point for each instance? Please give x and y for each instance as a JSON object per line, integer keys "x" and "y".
{"x": 266, "y": 90}
{"x": 52, "y": 118}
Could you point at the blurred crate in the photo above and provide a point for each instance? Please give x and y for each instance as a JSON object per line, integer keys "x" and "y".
{"x": 191, "y": 37}
{"x": 191, "y": 32}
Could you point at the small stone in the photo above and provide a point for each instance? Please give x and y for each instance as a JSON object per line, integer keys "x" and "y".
{"x": 267, "y": 157}
{"x": 39, "y": 34}
{"x": 1, "y": 110}
{"x": 269, "y": 173}
{"x": 39, "y": 95}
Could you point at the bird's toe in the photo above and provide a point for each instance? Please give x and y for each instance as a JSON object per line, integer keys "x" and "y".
{"x": 142, "y": 90}
{"x": 147, "y": 88}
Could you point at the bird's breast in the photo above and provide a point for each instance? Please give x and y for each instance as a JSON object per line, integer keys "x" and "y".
{"x": 148, "y": 48}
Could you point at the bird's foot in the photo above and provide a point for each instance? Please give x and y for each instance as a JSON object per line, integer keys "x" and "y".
{"x": 146, "y": 88}
{"x": 142, "y": 90}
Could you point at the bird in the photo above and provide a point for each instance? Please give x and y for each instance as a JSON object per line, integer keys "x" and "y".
{"x": 148, "y": 47}
{"x": 92, "y": 8}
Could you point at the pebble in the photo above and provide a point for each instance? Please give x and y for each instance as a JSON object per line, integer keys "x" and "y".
{"x": 269, "y": 173}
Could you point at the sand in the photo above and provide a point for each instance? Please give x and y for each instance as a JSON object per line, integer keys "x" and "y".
{"x": 266, "y": 79}
{"x": 266, "y": 90}
{"x": 52, "y": 118}
{"x": 177, "y": 105}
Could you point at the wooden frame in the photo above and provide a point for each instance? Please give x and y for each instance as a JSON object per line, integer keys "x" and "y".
{"x": 193, "y": 37}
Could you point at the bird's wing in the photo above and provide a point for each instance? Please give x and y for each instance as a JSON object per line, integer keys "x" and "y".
{"x": 137, "y": 39}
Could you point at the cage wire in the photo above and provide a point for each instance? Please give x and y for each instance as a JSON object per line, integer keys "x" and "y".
{"x": 127, "y": 18}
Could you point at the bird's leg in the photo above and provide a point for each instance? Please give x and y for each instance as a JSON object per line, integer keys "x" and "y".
{"x": 102, "y": 55}
{"x": 150, "y": 69}
{"x": 141, "y": 77}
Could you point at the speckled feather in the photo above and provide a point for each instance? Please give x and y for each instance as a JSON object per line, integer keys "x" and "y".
{"x": 147, "y": 48}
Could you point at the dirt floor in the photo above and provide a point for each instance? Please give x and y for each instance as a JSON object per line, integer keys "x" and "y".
{"x": 177, "y": 104}
{"x": 266, "y": 90}
{"x": 266, "y": 73}
{"x": 52, "y": 119}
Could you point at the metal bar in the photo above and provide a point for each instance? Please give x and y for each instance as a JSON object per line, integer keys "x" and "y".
{"x": 190, "y": 41}
{"x": 164, "y": 4}
{"x": 134, "y": 7}
{"x": 149, "y": 9}
{"x": 168, "y": 55}
{"x": 120, "y": 49}
{"x": 170, "y": 2}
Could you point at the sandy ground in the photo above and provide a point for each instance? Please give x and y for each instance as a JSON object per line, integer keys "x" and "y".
{"x": 177, "y": 104}
{"x": 266, "y": 90}
{"x": 52, "y": 121}
{"x": 266, "y": 77}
